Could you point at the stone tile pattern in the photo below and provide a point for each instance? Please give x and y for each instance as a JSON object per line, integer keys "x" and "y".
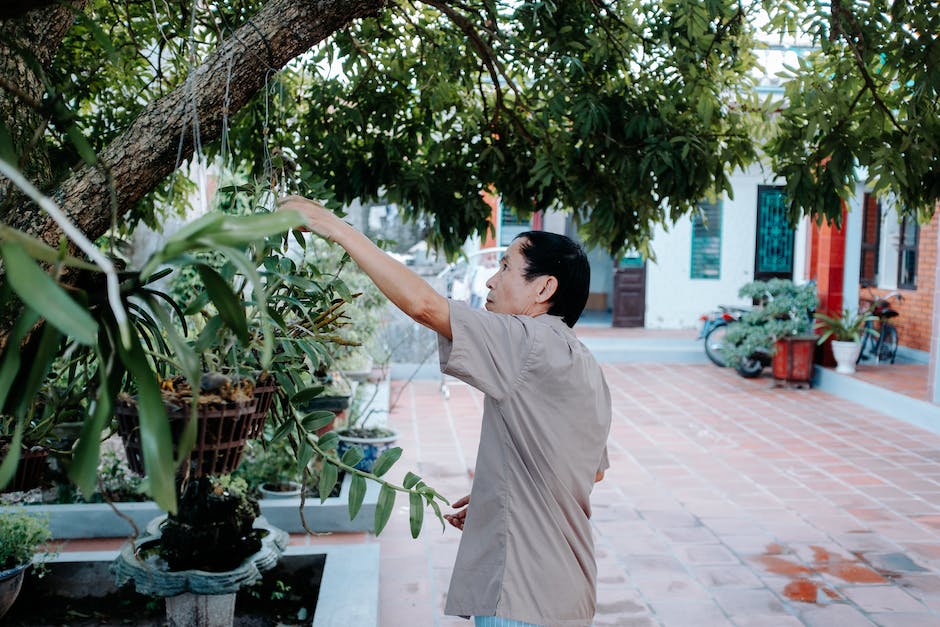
{"x": 728, "y": 502}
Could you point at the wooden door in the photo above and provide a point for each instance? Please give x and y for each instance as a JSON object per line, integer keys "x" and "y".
{"x": 629, "y": 296}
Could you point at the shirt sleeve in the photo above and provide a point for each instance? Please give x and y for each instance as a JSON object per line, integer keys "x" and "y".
{"x": 605, "y": 461}
{"x": 488, "y": 350}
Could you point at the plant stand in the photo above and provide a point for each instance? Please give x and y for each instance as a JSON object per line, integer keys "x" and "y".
{"x": 216, "y": 610}
{"x": 793, "y": 361}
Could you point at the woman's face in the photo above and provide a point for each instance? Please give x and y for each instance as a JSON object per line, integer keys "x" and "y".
{"x": 509, "y": 292}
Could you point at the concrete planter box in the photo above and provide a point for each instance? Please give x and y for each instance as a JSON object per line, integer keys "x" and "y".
{"x": 99, "y": 520}
{"x": 349, "y": 587}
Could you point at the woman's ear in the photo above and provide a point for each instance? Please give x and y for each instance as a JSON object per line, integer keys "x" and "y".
{"x": 548, "y": 289}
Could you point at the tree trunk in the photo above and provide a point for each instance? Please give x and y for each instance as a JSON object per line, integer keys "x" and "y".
{"x": 39, "y": 34}
{"x": 147, "y": 151}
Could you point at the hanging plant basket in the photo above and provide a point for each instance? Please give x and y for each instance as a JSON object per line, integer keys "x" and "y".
{"x": 223, "y": 428}
{"x": 31, "y": 469}
{"x": 265, "y": 391}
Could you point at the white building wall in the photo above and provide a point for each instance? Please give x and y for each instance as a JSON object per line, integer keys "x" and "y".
{"x": 673, "y": 299}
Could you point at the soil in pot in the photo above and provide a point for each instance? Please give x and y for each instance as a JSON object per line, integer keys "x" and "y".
{"x": 286, "y": 596}
{"x": 212, "y": 529}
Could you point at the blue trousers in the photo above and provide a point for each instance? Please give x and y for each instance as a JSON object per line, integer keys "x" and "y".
{"x": 497, "y": 621}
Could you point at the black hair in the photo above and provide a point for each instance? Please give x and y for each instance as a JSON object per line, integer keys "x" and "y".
{"x": 551, "y": 254}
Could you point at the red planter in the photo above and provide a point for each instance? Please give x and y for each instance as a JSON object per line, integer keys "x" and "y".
{"x": 793, "y": 361}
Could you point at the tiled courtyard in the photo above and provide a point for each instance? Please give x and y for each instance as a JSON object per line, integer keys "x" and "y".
{"x": 728, "y": 502}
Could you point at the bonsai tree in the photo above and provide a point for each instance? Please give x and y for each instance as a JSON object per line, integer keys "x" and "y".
{"x": 782, "y": 308}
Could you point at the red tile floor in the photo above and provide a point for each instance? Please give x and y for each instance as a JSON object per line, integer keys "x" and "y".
{"x": 728, "y": 502}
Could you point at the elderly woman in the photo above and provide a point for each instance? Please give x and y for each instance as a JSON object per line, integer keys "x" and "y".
{"x": 526, "y": 556}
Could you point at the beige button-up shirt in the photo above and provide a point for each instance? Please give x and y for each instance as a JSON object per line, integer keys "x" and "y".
{"x": 527, "y": 552}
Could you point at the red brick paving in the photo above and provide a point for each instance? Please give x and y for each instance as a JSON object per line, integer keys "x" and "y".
{"x": 728, "y": 502}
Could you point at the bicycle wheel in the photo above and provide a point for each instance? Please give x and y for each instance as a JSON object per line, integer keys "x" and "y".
{"x": 714, "y": 341}
{"x": 887, "y": 344}
{"x": 867, "y": 345}
{"x": 750, "y": 368}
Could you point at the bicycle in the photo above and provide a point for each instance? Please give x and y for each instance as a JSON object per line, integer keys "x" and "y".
{"x": 880, "y": 344}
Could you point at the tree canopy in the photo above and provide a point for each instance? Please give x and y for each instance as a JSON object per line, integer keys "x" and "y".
{"x": 626, "y": 113}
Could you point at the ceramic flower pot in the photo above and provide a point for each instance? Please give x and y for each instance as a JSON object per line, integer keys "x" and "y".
{"x": 846, "y": 354}
{"x": 371, "y": 447}
{"x": 11, "y": 580}
{"x": 280, "y": 490}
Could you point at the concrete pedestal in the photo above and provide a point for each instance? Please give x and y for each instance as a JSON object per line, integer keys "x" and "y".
{"x": 205, "y": 610}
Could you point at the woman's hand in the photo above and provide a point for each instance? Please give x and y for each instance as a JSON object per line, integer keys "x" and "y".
{"x": 458, "y": 519}
{"x": 319, "y": 219}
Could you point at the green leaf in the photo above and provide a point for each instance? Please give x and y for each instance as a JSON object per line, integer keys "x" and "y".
{"x": 357, "y": 494}
{"x": 248, "y": 269}
{"x": 38, "y": 249}
{"x": 316, "y": 420}
{"x": 155, "y": 440}
{"x": 328, "y": 476}
{"x": 12, "y": 458}
{"x": 328, "y": 441}
{"x": 353, "y": 456}
{"x": 7, "y": 148}
{"x": 416, "y": 513}
{"x": 81, "y": 144}
{"x": 45, "y": 296}
{"x": 411, "y": 480}
{"x": 383, "y": 508}
{"x": 83, "y": 471}
{"x": 186, "y": 357}
{"x": 386, "y": 460}
{"x": 230, "y": 307}
{"x": 41, "y": 362}
{"x": 305, "y": 453}
{"x": 306, "y": 395}
{"x": 437, "y": 512}
{"x": 10, "y": 366}
{"x": 286, "y": 427}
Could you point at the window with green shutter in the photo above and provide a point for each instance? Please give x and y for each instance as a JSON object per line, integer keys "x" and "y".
{"x": 706, "y": 241}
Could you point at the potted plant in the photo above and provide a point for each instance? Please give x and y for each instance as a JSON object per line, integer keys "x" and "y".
{"x": 371, "y": 440}
{"x": 21, "y": 536}
{"x": 270, "y": 468}
{"x": 778, "y": 330}
{"x": 845, "y": 330}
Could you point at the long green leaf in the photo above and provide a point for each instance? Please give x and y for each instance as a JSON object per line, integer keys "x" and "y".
{"x": 248, "y": 269}
{"x": 230, "y": 307}
{"x": 328, "y": 476}
{"x": 40, "y": 362}
{"x": 83, "y": 471}
{"x": 38, "y": 249}
{"x": 386, "y": 460}
{"x": 186, "y": 357}
{"x": 10, "y": 366}
{"x": 155, "y": 440}
{"x": 416, "y": 513}
{"x": 12, "y": 459}
{"x": 383, "y": 508}
{"x": 41, "y": 293}
{"x": 357, "y": 494}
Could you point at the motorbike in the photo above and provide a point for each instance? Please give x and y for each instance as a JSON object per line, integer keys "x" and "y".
{"x": 714, "y": 326}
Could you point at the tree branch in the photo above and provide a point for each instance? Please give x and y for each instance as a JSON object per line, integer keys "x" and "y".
{"x": 147, "y": 152}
